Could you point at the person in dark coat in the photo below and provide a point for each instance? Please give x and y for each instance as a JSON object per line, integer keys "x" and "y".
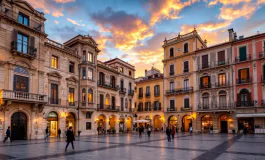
{"x": 168, "y": 132}
{"x": 47, "y": 133}
{"x": 59, "y": 133}
{"x": 70, "y": 138}
{"x": 8, "y": 135}
{"x": 173, "y": 131}
{"x": 141, "y": 128}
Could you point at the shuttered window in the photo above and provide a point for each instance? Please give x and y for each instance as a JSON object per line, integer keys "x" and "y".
{"x": 205, "y": 61}
{"x": 186, "y": 66}
{"x": 243, "y": 53}
{"x": 221, "y": 57}
{"x": 186, "y": 103}
{"x": 171, "y": 70}
{"x": 22, "y": 43}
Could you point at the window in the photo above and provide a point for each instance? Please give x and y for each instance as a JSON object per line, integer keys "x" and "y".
{"x": 140, "y": 92}
{"x": 171, "y": 52}
{"x": 71, "y": 67}
{"x": 221, "y": 57}
{"x": 140, "y": 107}
{"x": 22, "y": 43}
{"x": 23, "y": 19}
{"x": 186, "y": 66}
{"x": 71, "y": 96}
{"x": 90, "y": 57}
{"x": 90, "y": 96}
{"x": 54, "y": 62}
{"x": 244, "y": 98}
{"x": 90, "y": 74}
{"x": 122, "y": 106}
{"x": 186, "y": 85}
{"x": 205, "y": 63}
{"x": 88, "y": 125}
{"x": 222, "y": 99}
{"x": 54, "y": 94}
{"x": 221, "y": 79}
{"x": 243, "y": 75}
{"x": 243, "y": 53}
{"x": 121, "y": 69}
{"x": 126, "y": 103}
{"x": 84, "y": 73}
{"x": 157, "y": 90}
{"x": 205, "y": 82}
{"x": 171, "y": 86}
{"x": 186, "y": 47}
{"x": 148, "y": 91}
{"x": 88, "y": 115}
{"x": 156, "y": 106}
{"x": 171, "y": 69}
{"x": 113, "y": 82}
{"x": 186, "y": 103}
{"x": 147, "y": 106}
{"x": 84, "y": 56}
{"x": 172, "y": 104}
{"x": 21, "y": 83}
{"x": 130, "y": 73}
{"x": 83, "y": 95}
{"x": 101, "y": 78}
{"x": 205, "y": 101}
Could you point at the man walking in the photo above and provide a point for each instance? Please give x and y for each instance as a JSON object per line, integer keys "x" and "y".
{"x": 8, "y": 135}
{"x": 149, "y": 131}
{"x": 168, "y": 132}
{"x": 47, "y": 133}
{"x": 59, "y": 133}
{"x": 70, "y": 138}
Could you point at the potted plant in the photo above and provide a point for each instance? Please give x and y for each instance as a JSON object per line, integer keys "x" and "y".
{"x": 79, "y": 132}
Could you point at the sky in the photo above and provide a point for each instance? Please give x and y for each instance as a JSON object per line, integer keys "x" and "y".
{"x": 134, "y": 30}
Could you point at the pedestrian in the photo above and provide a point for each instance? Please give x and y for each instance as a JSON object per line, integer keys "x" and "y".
{"x": 211, "y": 130}
{"x": 141, "y": 128}
{"x": 177, "y": 129}
{"x": 173, "y": 131}
{"x": 70, "y": 138}
{"x": 245, "y": 131}
{"x": 149, "y": 131}
{"x": 8, "y": 135}
{"x": 168, "y": 132}
{"x": 59, "y": 133}
{"x": 47, "y": 133}
{"x": 190, "y": 130}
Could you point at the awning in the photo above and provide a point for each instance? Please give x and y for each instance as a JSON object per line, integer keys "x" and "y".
{"x": 141, "y": 121}
{"x": 251, "y": 115}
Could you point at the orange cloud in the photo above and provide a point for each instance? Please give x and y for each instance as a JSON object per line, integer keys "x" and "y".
{"x": 261, "y": 1}
{"x": 57, "y": 14}
{"x": 233, "y": 13}
{"x": 64, "y": 1}
{"x": 228, "y": 2}
{"x": 41, "y": 4}
{"x": 168, "y": 9}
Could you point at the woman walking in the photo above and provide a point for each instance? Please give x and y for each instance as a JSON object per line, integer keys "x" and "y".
{"x": 70, "y": 138}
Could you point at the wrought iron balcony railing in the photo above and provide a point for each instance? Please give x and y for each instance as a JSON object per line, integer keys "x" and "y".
{"x": 54, "y": 101}
{"x": 108, "y": 85}
{"x": 113, "y": 108}
{"x": 241, "y": 59}
{"x": 171, "y": 109}
{"x": 23, "y": 49}
{"x": 243, "y": 81}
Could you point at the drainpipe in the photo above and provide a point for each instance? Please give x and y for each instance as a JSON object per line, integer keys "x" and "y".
{"x": 78, "y": 104}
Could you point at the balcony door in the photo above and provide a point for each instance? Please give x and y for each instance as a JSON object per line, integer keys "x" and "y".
{"x": 243, "y": 53}
{"x": 244, "y": 97}
{"x": 101, "y": 78}
{"x": 221, "y": 57}
{"x": 172, "y": 105}
{"x": 22, "y": 43}
{"x": 205, "y": 61}
{"x": 171, "y": 86}
{"x": 186, "y": 84}
{"x": 122, "y": 85}
{"x": 21, "y": 83}
{"x": 113, "y": 82}
{"x": 101, "y": 101}
{"x": 54, "y": 94}
{"x": 113, "y": 103}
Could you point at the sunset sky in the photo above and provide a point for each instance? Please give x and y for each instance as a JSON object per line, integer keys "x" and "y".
{"x": 134, "y": 30}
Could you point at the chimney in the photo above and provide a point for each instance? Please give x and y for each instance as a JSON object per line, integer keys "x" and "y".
{"x": 235, "y": 36}
{"x": 145, "y": 73}
{"x": 231, "y": 34}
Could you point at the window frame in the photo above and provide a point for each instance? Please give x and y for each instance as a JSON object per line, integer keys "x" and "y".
{"x": 55, "y": 59}
{"x": 88, "y": 127}
{"x": 73, "y": 67}
{"x": 24, "y": 16}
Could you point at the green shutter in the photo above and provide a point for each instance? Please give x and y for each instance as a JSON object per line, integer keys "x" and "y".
{"x": 243, "y": 53}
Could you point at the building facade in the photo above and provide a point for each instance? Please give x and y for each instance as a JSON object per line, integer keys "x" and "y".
{"x": 149, "y": 99}
{"x": 47, "y": 84}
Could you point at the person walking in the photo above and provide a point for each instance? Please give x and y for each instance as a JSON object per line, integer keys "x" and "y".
{"x": 190, "y": 130}
{"x": 149, "y": 131}
{"x": 8, "y": 135}
{"x": 70, "y": 138}
{"x": 173, "y": 131}
{"x": 59, "y": 133}
{"x": 47, "y": 133}
{"x": 245, "y": 131}
{"x": 141, "y": 128}
{"x": 168, "y": 132}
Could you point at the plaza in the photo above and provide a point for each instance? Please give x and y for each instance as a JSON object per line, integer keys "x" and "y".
{"x": 130, "y": 146}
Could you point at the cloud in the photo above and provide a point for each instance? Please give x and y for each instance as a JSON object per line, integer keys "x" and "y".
{"x": 126, "y": 29}
{"x": 232, "y": 13}
{"x": 228, "y": 2}
{"x": 261, "y": 1}
{"x": 64, "y": 1}
{"x": 73, "y": 22}
{"x": 205, "y": 27}
{"x": 57, "y": 14}
{"x": 56, "y": 22}
{"x": 168, "y": 9}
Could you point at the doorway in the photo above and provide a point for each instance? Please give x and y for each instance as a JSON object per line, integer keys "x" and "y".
{"x": 70, "y": 121}
{"x": 19, "y": 126}
{"x": 52, "y": 124}
{"x": 224, "y": 127}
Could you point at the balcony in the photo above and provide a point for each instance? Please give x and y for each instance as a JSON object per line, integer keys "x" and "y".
{"x": 54, "y": 101}
{"x": 122, "y": 90}
{"x": 205, "y": 86}
{"x": 203, "y": 106}
{"x": 243, "y": 81}
{"x": 221, "y": 84}
{"x": 221, "y": 63}
{"x": 186, "y": 108}
{"x": 147, "y": 94}
{"x": 171, "y": 73}
{"x": 205, "y": 66}
{"x": 23, "y": 97}
{"x": 37, "y": 26}
{"x": 131, "y": 92}
{"x": 218, "y": 106}
{"x": 239, "y": 60}
{"x": 17, "y": 48}
{"x": 108, "y": 85}
{"x": 73, "y": 104}
{"x": 140, "y": 95}
{"x": 171, "y": 109}
{"x": 262, "y": 53}
{"x": 243, "y": 104}
{"x": 146, "y": 109}
{"x": 262, "y": 78}
{"x": 140, "y": 109}
{"x": 110, "y": 108}
{"x": 185, "y": 70}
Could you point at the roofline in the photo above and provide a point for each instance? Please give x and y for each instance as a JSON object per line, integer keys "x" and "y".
{"x": 120, "y": 60}
{"x": 250, "y": 37}
{"x": 211, "y": 47}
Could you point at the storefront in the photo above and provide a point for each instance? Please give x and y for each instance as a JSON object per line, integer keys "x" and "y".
{"x": 207, "y": 123}
{"x": 186, "y": 123}
{"x": 70, "y": 121}
{"x": 52, "y": 124}
{"x": 172, "y": 121}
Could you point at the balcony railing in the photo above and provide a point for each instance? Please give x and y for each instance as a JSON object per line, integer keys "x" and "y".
{"x": 157, "y": 94}
{"x": 140, "y": 95}
{"x": 216, "y": 106}
{"x": 179, "y": 91}
{"x": 205, "y": 66}
{"x": 243, "y": 81}
{"x": 122, "y": 90}
{"x": 222, "y": 62}
{"x": 74, "y": 103}
{"x": 23, "y": 96}
{"x": 185, "y": 70}
{"x": 205, "y": 86}
{"x": 221, "y": 84}
{"x": 238, "y": 60}
{"x": 108, "y": 85}
{"x": 14, "y": 16}
{"x": 113, "y": 108}
{"x": 186, "y": 108}
{"x": 262, "y": 54}
{"x": 54, "y": 101}
{"x": 171, "y": 73}
{"x": 155, "y": 108}
{"x": 147, "y": 94}
{"x": 130, "y": 92}
{"x": 23, "y": 49}
{"x": 147, "y": 109}
{"x": 171, "y": 109}
{"x": 241, "y": 104}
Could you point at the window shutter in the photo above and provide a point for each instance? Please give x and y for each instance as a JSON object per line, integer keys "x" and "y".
{"x": 14, "y": 35}
{"x": 15, "y": 82}
{"x": 27, "y": 84}
{"x": 238, "y": 99}
{"x": 248, "y": 73}
{"x": 249, "y": 97}
{"x": 209, "y": 81}
{"x": 32, "y": 45}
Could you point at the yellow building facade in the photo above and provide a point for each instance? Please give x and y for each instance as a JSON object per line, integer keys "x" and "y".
{"x": 180, "y": 79}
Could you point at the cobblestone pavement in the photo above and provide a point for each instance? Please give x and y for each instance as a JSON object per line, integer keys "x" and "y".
{"x": 131, "y": 147}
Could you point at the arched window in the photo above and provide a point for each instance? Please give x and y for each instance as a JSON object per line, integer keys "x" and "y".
{"x": 222, "y": 99}
{"x": 171, "y": 52}
{"x": 83, "y": 95}
{"x": 186, "y": 47}
{"x": 244, "y": 98}
{"x": 90, "y": 95}
{"x": 205, "y": 101}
